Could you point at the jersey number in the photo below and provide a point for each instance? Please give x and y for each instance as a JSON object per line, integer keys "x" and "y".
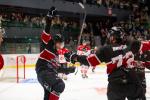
{"x": 118, "y": 60}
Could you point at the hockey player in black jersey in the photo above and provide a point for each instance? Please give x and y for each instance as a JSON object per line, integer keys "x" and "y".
{"x": 122, "y": 80}
{"x": 141, "y": 51}
{"x": 140, "y": 66}
{"x": 48, "y": 66}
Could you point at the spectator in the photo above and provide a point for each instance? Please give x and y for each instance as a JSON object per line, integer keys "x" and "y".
{"x": 29, "y": 49}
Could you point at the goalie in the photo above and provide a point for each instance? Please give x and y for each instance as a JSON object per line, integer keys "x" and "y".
{"x": 84, "y": 49}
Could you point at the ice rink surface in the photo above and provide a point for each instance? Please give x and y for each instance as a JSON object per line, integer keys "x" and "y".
{"x": 93, "y": 88}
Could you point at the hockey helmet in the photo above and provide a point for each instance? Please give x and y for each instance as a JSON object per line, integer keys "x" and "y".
{"x": 58, "y": 38}
{"x": 117, "y": 33}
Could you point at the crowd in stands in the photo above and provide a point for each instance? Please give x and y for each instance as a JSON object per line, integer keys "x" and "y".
{"x": 126, "y": 4}
{"x": 121, "y": 4}
{"x": 136, "y": 26}
{"x": 21, "y": 19}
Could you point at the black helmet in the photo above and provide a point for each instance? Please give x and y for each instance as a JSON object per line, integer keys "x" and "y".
{"x": 117, "y": 33}
{"x": 58, "y": 38}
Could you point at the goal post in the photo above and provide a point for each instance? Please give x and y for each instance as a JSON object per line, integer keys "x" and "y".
{"x": 14, "y": 69}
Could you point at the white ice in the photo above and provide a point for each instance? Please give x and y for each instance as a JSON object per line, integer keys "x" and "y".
{"x": 93, "y": 88}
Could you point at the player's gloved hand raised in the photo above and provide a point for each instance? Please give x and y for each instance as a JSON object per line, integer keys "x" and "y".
{"x": 52, "y": 12}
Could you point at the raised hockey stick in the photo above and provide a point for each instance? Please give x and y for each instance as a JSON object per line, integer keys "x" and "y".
{"x": 82, "y": 27}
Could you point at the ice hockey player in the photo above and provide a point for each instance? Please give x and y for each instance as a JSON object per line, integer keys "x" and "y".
{"x": 48, "y": 66}
{"x": 63, "y": 61}
{"x": 122, "y": 80}
{"x": 1, "y": 40}
{"x": 84, "y": 49}
{"x": 141, "y": 51}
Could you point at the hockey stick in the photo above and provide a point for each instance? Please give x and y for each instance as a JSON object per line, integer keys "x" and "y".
{"x": 82, "y": 27}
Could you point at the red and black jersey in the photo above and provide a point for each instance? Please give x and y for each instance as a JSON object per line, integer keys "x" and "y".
{"x": 142, "y": 60}
{"x": 62, "y": 51}
{"x": 83, "y": 50}
{"x": 61, "y": 54}
{"x": 48, "y": 51}
{"x": 115, "y": 57}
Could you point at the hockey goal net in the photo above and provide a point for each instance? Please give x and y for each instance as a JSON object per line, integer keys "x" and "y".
{"x": 15, "y": 70}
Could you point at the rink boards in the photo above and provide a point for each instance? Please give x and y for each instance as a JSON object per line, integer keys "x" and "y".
{"x": 10, "y": 60}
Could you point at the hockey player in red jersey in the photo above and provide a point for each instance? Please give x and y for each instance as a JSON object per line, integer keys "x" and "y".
{"x": 61, "y": 53}
{"x": 63, "y": 60}
{"x": 1, "y": 58}
{"x": 84, "y": 49}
